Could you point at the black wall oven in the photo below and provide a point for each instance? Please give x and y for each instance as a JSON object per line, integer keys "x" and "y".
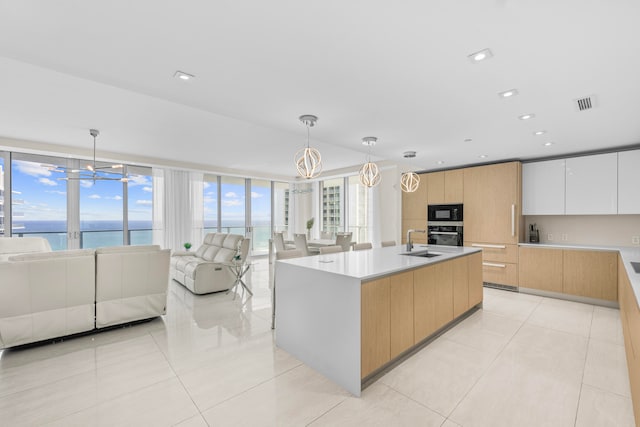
{"x": 445, "y": 225}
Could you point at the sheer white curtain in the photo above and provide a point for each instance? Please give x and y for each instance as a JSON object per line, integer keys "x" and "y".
{"x": 374, "y": 216}
{"x": 179, "y": 204}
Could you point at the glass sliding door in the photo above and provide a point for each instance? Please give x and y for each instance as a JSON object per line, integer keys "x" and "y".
{"x": 140, "y": 206}
{"x": 211, "y": 206}
{"x": 332, "y": 205}
{"x": 3, "y": 185}
{"x": 281, "y": 207}
{"x": 260, "y": 216}
{"x": 358, "y": 205}
{"x": 101, "y": 213}
{"x": 39, "y": 199}
{"x": 232, "y": 199}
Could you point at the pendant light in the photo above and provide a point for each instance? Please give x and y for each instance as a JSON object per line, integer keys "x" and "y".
{"x": 308, "y": 160}
{"x": 409, "y": 181}
{"x": 369, "y": 174}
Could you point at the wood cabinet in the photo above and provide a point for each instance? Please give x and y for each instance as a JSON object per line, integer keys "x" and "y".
{"x": 375, "y": 312}
{"x": 543, "y": 188}
{"x": 445, "y": 187}
{"x": 630, "y": 318}
{"x": 414, "y": 211}
{"x": 585, "y": 273}
{"x": 401, "y": 297}
{"x": 628, "y": 178}
{"x": 591, "y": 274}
{"x": 401, "y": 310}
{"x": 592, "y": 185}
{"x": 492, "y": 203}
{"x": 540, "y": 268}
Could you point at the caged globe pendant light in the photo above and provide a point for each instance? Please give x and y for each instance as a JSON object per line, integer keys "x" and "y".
{"x": 369, "y": 174}
{"x": 409, "y": 181}
{"x": 308, "y": 160}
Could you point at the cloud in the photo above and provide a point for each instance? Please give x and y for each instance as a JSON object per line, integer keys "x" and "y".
{"x": 211, "y": 193}
{"x": 148, "y": 189}
{"x": 234, "y": 202}
{"x": 47, "y": 181}
{"x": 255, "y": 195}
{"x": 94, "y": 196}
{"x": 210, "y": 200}
{"x": 31, "y": 168}
{"x": 62, "y": 193}
{"x": 206, "y": 185}
{"x": 114, "y": 198}
{"x": 138, "y": 180}
{"x": 144, "y": 202}
{"x": 86, "y": 183}
{"x": 231, "y": 195}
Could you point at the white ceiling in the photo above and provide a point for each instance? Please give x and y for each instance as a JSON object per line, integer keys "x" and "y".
{"x": 397, "y": 70}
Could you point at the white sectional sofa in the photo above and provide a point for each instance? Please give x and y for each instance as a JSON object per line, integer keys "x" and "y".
{"x": 131, "y": 283}
{"x": 45, "y": 294}
{"x": 204, "y": 271}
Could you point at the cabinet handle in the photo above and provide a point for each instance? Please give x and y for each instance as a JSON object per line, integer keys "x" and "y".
{"x": 513, "y": 220}
{"x": 492, "y": 264}
{"x": 447, "y": 233}
{"x": 487, "y": 245}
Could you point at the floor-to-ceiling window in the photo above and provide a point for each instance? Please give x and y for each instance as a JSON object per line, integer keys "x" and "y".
{"x": 39, "y": 199}
{"x": 358, "y": 203}
{"x": 140, "y": 206}
{"x": 260, "y": 216}
{"x": 332, "y": 205}
{"x": 232, "y": 191}
{"x": 280, "y": 219}
{"x": 210, "y": 200}
{"x": 101, "y": 212}
{"x": 2, "y": 187}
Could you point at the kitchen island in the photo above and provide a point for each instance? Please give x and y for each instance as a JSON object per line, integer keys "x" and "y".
{"x": 351, "y": 314}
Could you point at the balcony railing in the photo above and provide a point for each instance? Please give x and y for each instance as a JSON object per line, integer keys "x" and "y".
{"x": 92, "y": 239}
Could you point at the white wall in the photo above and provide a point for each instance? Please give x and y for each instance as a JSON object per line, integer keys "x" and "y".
{"x": 390, "y": 204}
{"x": 586, "y": 229}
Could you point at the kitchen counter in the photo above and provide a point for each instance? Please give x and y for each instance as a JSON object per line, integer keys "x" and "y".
{"x": 333, "y": 311}
{"x": 627, "y": 254}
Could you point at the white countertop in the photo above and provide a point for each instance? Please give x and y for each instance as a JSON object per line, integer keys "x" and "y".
{"x": 627, "y": 253}
{"x": 371, "y": 263}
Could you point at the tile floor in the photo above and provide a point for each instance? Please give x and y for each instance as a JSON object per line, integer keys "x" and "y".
{"x": 211, "y": 361}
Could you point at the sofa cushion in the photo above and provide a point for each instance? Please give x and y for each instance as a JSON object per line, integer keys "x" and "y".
{"x": 208, "y": 238}
{"x": 210, "y": 253}
{"x": 127, "y": 249}
{"x": 219, "y": 239}
{"x": 36, "y": 256}
{"x": 225, "y": 255}
{"x": 22, "y": 245}
{"x": 202, "y": 249}
{"x": 232, "y": 241}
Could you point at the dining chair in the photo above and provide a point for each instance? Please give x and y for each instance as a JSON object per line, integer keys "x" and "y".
{"x": 326, "y": 235}
{"x": 388, "y": 243}
{"x": 287, "y": 254}
{"x": 330, "y": 249}
{"x": 301, "y": 243}
{"x": 362, "y": 246}
{"x": 344, "y": 240}
{"x": 278, "y": 242}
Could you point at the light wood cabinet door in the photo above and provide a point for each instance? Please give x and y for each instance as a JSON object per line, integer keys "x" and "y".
{"x": 630, "y": 317}
{"x": 443, "y": 281}
{"x": 401, "y": 312}
{"x": 540, "y": 268}
{"x": 414, "y": 205}
{"x": 416, "y": 224}
{"x": 460, "y": 286}
{"x": 432, "y": 298}
{"x": 435, "y": 188}
{"x": 474, "y": 267}
{"x": 453, "y": 186}
{"x": 591, "y": 274}
{"x": 501, "y": 273}
{"x": 375, "y": 325}
{"x": 492, "y": 203}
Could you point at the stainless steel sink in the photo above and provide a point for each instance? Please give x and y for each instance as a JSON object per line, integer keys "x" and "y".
{"x": 423, "y": 254}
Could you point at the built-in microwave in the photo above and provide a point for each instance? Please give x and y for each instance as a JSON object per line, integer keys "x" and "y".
{"x": 444, "y": 213}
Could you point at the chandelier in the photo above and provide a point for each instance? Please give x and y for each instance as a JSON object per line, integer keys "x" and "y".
{"x": 369, "y": 174}
{"x": 409, "y": 181}
{"x": 308, "y": 160}
{"x": 93, "y": 172}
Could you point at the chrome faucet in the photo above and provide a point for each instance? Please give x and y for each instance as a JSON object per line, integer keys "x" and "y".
{"x": 409, "y": 244}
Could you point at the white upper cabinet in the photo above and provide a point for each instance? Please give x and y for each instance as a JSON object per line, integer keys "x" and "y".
{"x": 543, "y": 188}
{"x": 592, "y": 185}
{"x": 629, "y": 182}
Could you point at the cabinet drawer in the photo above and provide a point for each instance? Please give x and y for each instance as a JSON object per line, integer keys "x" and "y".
{"x": 502, "y": 273}
{"x": 496, "y": 251}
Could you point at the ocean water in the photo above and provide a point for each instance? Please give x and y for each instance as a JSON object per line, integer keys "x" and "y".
{"x": 95, "y": 234}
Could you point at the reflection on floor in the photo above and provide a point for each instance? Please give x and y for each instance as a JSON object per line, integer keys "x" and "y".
{"x": 520, "y": 361}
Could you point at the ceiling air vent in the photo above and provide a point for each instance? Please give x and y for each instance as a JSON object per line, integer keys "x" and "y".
{"x": 585, "y": 103}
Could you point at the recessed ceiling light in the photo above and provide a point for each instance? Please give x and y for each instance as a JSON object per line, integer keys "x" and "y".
{"x": 526, "y": 116}
{"x": 468, "y": 140}
{"x": 508, "y": 93}
{"x": 183, "y": 76}
{"x": 440, "y": 162}
{"x": 480, "y": 55}
{"x": 548, "y": 144}
{"x": 539, "y": 132}
{"x": 483, "y": 156}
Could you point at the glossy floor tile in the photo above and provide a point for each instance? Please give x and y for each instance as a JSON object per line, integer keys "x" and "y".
{"x": 212, "y": 361}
